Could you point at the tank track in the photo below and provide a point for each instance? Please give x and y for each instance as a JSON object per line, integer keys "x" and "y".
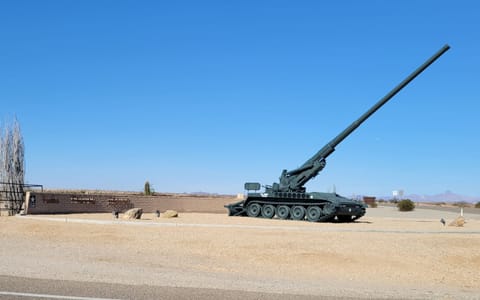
{"x": 313, "y": 211}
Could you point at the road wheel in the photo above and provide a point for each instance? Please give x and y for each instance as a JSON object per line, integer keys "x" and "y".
{"x": 283, "y": 211}
{"x": 268, "y": 211}
{"x": 329, "y": 208}
{"x": 298, "y": 212}
{"x": 313, "y": 213}
{"x": 253, "y": 209}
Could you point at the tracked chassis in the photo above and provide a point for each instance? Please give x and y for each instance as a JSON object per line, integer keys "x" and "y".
{"x": 314, "y": 207}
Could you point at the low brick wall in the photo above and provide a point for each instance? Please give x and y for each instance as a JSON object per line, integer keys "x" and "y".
{"x": 64, "y": 202}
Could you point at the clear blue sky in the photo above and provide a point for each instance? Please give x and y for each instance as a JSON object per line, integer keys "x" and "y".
{"x": 205, "y": 95}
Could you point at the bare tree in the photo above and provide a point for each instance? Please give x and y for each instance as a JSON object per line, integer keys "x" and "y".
{"x": 12, "y": 166}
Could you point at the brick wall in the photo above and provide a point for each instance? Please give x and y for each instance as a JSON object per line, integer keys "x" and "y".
{"x": 65, "y": 202}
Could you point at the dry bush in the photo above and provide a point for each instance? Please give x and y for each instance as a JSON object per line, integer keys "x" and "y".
{"x": 406, "y": 205}
{"x": 12, "y": 166}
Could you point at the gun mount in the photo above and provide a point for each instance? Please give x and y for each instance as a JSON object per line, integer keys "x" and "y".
{"x": 289, "y": 198}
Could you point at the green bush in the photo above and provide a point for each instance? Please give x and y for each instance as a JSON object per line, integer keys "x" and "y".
{"x": 477, "y": 205}
{"x": 146, "y": 189}
{"x": 406, "y": 205}
{"x": 373, "y": 205}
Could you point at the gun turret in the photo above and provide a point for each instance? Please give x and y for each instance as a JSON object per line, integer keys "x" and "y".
{"x": 294, "y": 180}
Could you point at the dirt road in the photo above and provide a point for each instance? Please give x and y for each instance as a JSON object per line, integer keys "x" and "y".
{"x": 387, "y": 254}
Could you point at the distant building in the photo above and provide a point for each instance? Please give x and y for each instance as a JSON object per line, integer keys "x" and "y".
{"x": 369, "y": 199}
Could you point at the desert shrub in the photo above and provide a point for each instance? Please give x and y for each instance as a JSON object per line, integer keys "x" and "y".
{"x": 477, "y": 205}
{"x": 373, "y": 205}
{"x": 460, "y": 204}
{"x": 394, "y": 201}
{"x": 146, "y": 189}
{"x": 381, "y": 201}
{"x": 406, "y": 205}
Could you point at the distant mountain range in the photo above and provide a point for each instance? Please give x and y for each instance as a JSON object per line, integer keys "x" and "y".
{"x": 448, "y": 196}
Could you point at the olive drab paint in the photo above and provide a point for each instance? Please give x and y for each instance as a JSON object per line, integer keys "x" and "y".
{"x": 288, "y": 198}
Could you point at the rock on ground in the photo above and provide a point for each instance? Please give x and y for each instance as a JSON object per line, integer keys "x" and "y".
{"x": 134, "y": 213}
{"x": 458, "y": 222}
{"x": 169, "y": 214}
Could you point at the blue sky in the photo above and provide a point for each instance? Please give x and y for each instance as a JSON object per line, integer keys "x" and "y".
{"x": 205, "y": 95}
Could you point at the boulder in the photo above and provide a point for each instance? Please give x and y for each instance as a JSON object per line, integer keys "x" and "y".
{"x": 458, "y": 222}
{"x": 169, "y": 214}
{"x": 132, "y": 214}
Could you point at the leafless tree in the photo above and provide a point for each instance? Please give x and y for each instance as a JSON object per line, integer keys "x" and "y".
{"x": 12, "y": 166}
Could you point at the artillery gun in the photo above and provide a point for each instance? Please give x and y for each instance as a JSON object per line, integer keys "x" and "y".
{"x": 289, "y": 199}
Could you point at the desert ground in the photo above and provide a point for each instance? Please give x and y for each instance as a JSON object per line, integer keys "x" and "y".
{"x": 385, "y": 254}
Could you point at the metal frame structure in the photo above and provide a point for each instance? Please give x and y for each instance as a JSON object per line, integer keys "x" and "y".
{"x": 12, "y": 196}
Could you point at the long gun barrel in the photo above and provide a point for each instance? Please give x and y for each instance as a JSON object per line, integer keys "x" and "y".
{"x": 339, "y": 138}
{"x": 295, "y": 179}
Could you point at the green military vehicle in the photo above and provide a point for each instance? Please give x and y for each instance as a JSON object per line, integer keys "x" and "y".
{"x": 288, "y": 199}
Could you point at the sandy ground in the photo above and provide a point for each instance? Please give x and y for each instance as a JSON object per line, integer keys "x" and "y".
{"x": 386, "y": 254}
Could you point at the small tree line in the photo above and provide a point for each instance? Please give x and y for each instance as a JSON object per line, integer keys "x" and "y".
{"x": 12, "y": 166}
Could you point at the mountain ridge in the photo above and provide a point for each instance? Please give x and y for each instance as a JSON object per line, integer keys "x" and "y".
{"x": 447, "y": 196}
